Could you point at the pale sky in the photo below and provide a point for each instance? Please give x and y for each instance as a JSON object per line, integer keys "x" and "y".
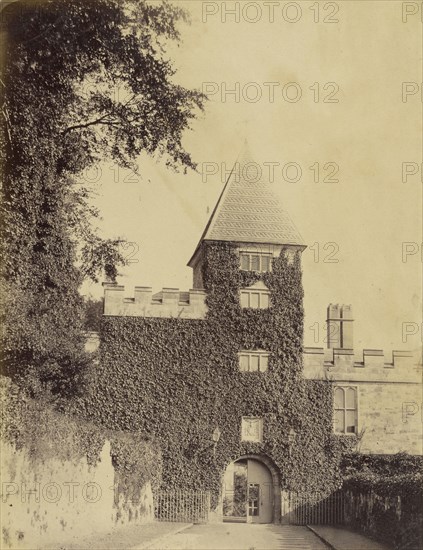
{"x": 368, "y": 134}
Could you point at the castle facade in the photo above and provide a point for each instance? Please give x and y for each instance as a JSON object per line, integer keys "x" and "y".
{"x": 220, "y": 377}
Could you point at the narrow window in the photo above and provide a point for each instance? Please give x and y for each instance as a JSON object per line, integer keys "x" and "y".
{"x": 255, "y": 262}
{"x": 345, "y": 410}
{"x": 265, "y": 263}
{"x": 254, "y": 300}
{"x": 254, "y": 363}
{"x": 263, "y": 362}
{"x": 245, "y": 299}
{"x": 245, "y": 262}
{"x": 244, "y": 363}
{"x": 264, "y": 300}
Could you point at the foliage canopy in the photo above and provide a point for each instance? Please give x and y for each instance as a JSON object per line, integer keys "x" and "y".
{"x": 81, "y": 81}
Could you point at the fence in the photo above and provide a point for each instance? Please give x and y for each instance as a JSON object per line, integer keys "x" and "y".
{"x": 184, "y": 506}
{"x": 315, "y": 509}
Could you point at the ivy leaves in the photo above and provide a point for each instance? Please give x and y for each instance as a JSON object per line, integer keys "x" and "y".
{"x": 179, "y": 379}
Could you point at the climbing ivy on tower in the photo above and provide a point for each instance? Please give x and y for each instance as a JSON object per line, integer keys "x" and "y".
{"x": 178, "y": 379}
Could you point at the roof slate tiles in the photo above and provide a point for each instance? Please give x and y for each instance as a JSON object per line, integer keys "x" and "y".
{"x": 248, "y": 210}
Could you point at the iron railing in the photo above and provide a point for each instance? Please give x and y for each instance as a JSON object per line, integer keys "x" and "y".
{"x": 181, "y": 505}
{"x": 314, "y": 509}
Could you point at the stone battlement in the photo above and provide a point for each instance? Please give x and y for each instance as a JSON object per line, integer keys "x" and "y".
{"x": 169, "y": 302}
{"x": 369, "y": 364}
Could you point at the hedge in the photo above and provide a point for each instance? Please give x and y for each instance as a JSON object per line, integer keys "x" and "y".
{"x": 385, "y": 497}
{"x": 381, "y": 464}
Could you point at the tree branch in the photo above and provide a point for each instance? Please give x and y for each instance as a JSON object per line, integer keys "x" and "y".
{"x": 98, "y": 120}
{"x": 91, "y": 123}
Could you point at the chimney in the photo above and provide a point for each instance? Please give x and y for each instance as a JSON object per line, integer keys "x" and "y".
{"x": 347, "y": 328}
{"x": 333, "y": 326}
{"x": 339, "y": 326}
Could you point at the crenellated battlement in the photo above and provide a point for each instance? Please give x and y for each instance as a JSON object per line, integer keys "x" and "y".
{"x": 169, "y": 302}
{"x": 359, "y": 366}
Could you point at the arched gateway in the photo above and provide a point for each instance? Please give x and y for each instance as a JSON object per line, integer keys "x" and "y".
{"x": 251, "y": 491}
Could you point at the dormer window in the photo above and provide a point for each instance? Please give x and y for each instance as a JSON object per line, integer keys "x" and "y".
{"x": 256, "y": 296}
{"x": 255, "y": 261}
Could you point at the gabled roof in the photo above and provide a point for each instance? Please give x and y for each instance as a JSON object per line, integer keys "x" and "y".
{"x": 248, "y": 210}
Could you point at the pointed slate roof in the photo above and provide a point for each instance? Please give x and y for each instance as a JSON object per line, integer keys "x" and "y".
{"x": 248, "y": 209}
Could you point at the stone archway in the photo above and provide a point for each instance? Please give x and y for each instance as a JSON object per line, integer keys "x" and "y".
{"x": 251, "y": 490}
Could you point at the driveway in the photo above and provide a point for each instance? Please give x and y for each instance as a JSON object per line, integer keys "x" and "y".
{"x": 241, "y": 536}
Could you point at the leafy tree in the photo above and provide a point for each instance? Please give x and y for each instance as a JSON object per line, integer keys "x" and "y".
{"x": 82, "y": 81}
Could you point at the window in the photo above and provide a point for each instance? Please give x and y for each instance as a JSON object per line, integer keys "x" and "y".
{"x": 256, "y": 299}
{"x": 345, "y": 413}
{"x": 255, "y": 261}
{"x": 253, "y": 361}
{"x": 253, "y": 499}
{"x": 256, "y": 296}
{"x": 251, "y": 429}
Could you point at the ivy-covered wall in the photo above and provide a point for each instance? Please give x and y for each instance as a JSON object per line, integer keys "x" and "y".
{"x": 179, "y": 379}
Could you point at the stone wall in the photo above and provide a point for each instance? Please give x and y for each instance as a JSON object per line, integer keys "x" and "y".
{"x": 360, "y": 365}
{"x": 170, "y": 302}
{"x": 49, "y": 502}
{"x": 390, "y": 417}
{"x": 389, "y": 394}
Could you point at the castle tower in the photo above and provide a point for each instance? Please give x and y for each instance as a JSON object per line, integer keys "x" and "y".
{"x": 250, "y": 215}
